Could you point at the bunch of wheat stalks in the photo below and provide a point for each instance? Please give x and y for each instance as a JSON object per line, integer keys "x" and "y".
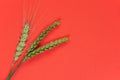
{"x": 33, "y": 50}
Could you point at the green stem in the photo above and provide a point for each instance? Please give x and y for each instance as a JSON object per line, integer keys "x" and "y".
{"x": 9, "y": 73}
{"x": 13, "y": 72}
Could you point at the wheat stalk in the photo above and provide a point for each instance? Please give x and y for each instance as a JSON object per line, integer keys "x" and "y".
{"x": 42, "y": 35}
{"x": 22, "y": 42}
{"x": 32, "y": 51}
{"x": 46, "y": 47}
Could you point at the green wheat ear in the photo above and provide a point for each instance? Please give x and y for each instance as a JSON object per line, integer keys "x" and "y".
{"x": 46, "y": 47}
{"x": 42, "y": 35}
{"x": 22, "y": 42}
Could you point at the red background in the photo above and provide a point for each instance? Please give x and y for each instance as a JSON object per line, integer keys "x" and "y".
{"x": 93, "y": 52}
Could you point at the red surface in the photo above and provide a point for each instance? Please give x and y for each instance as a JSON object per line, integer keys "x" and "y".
{"x": 93, "y": 52}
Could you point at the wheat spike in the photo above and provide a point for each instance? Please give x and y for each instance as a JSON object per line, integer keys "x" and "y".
{"x": 46, "y": 47}
{"x": 42, "y": 35}
{"x": 22, "y": 42}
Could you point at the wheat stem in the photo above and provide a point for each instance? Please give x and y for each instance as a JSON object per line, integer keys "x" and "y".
{"x": 13, "y": 72}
